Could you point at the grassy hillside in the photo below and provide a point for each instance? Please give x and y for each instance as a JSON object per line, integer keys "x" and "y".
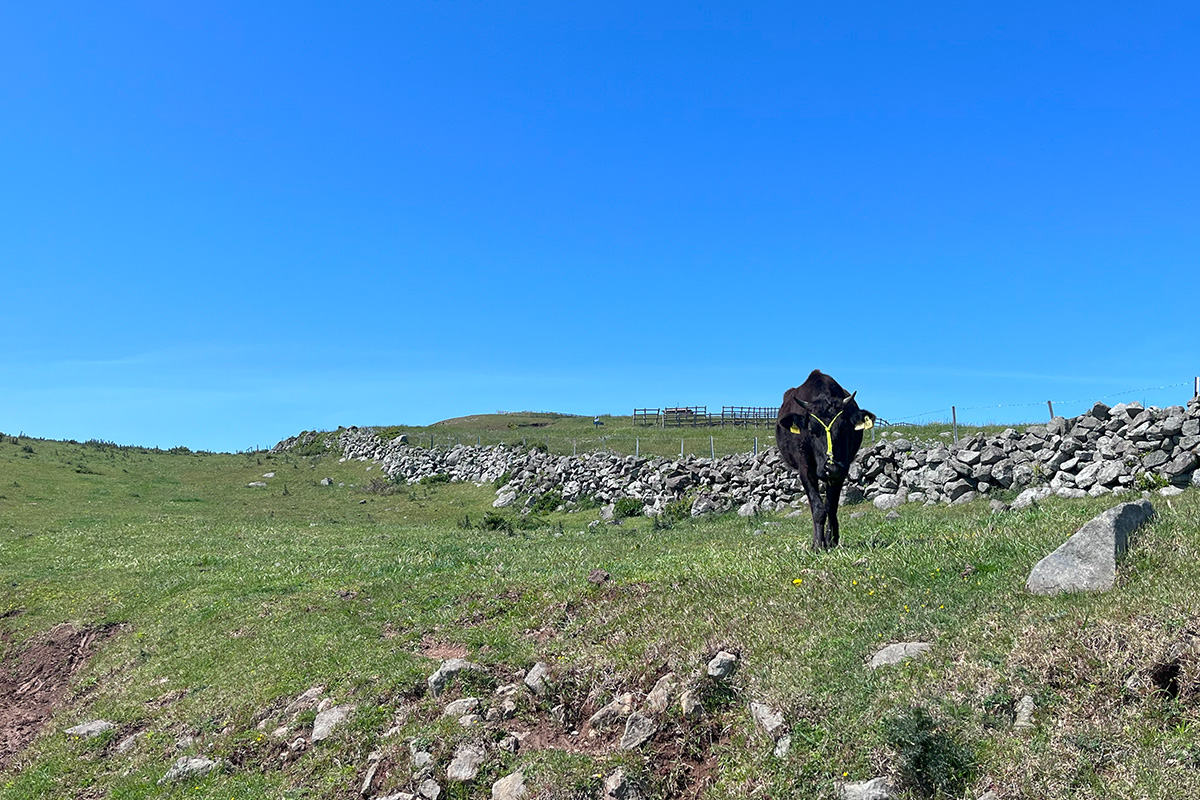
{"x": 228, "y": 601}
{"x": 560, "y": 433}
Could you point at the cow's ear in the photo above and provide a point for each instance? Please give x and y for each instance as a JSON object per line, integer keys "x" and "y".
{"x": 865, "y": 421}
{"x": 791, "y": 422}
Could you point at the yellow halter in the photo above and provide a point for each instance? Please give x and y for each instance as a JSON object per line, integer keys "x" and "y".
{"x": 828, "y": 431}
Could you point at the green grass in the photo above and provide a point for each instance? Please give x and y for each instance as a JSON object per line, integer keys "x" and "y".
{"x": 564, "y": 434}
{"x": 233, "y": 599}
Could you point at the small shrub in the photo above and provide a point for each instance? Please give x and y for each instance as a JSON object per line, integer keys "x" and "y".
{"x": 933, "y": 763}
{"x": 628, "y": 507}
{"x": 434, "y": 480}
{"x": 27, "y": 448}
{"x": 548, "y": 502}
{"x": 586, "y": 502}
{"x": 502, "y": 480}
{"x": 464, "y": 524}
{"x": 496, "y": 522}
{"x": 381, "y": 486}
{"x": 1149, "y": 481}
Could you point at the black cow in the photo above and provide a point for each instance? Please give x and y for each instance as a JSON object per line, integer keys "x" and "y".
{"x": 819, "y": 431}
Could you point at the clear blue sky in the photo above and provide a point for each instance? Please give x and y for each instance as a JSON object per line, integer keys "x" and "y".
{"x": 223, "y": 223}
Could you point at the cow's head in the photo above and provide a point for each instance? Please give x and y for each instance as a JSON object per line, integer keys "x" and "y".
{"x": 830, "y": 425}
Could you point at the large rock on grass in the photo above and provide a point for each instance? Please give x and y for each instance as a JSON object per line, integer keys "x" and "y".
{"x": 1087, "y": 562}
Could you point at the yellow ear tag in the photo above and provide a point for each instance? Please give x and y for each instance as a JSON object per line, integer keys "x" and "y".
{"x": 865, "y": 424}
{"x": 795, "y": 429}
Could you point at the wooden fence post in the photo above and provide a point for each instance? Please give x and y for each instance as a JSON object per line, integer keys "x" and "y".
{"x": 954, "y": 416}
{"x": 712, "y": 449}
{"x": 1050, "y": 405}
{"x": 637, "y": 447}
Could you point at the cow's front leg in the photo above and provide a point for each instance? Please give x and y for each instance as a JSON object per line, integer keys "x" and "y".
{"x": 833, "y": 496}
{"x": 817, "y": 506}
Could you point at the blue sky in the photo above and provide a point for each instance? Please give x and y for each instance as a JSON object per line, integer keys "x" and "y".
{"x": 225, "y": 223}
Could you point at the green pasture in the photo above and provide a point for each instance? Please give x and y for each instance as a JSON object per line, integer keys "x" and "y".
{"x": 229, "y": 600}
{"x": 565, "y": 434}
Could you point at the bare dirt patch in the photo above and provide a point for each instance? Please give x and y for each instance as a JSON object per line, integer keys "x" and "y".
{"x": 433, "y": 648}
{"x": 34, "y": 682}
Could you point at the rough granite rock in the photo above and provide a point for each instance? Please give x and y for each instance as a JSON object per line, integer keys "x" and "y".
{"x": 660, "y": 696}
{"x": 723, "y": 665}
{"x": 1087, "y": 561}
{"x": 329, "y": 719}
{"x": 188, "y": 767}
{"x": 465, "y": 765}
{"x": 446, "y": 672}
{"x": 510, "y": 787}
{"x": 536, "y": 678}
{"x": 638, "y": 730}
{"x": 874, "y": 789}
{"x": 767, "y": 719}
{"x": 88, "y": 730}
{"x": 897, "y": 653}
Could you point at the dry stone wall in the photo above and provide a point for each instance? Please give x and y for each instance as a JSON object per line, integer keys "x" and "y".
{"x": 1104, "y": 451}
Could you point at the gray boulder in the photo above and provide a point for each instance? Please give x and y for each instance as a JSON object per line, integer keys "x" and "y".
{"x": 638, "y": 730}
{"x": 188, "y": 767}
{"x": 896, "y": 653}
{"x": 723, "y": 665}
{"x": 329, "y": 719}
{"x": 1088, "y": 560}
{"x": 465, "y": 765}
{"x": 89, "y": 730}
{"x": 446, "y": 672}
{"x": 874, "y": 789}
{"x": 510, "y": 787}
{"x": 1031, "y": 496}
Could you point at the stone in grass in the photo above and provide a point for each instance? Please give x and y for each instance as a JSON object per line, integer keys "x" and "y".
{"x": 874, "y": 789}
{"x": 618, "y": 787}
{"x": 897, "y": 653}
{"x": 1087, "y": 561}
{"x": 465, "y": 766}
{"x": 1024, "y": 714}
{"x": 767, "y": 719}
{"x": 446, "y": 672}
{"x": 89, "y": 730}
{"x": 188, "y": 767}
{"x": 621, "y": 706}
{"x": 461, "y": 708}
{"x": 723, "y": 665}
{"x": 690, "y": 704}
{"x": 638, "y": 730}
{"x": 536, "y": 678}
{"x": 429, "y": 789}
{"x": 329, "y": 719}
{"x": 256, "y": 484}
{"x": 510, "y": 787}
{"x": 660, "y": 696}
{"x": 398, "y": 796}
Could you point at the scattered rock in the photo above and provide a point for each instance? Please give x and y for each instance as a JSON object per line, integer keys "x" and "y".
{"x": 618, "y": 787}
{"x": 256, "y": 484}
{"x": 537, "y": 677}
{"x": 329, "y": 719}
{"x": 447, "y": 671}
{"x": 461, "y": 708}
{"x": 465, "y": 766}
{"x": 429, "y": 789}
{"x": 188, "y": 767}
{"x": 89, "y": 730}
{"x": 767, "y": 719}
{"x": 897, "y": 653}
{"x": 598, "y": 576}
{"x": 268, "y": 474}
{"x": 620, "y": 707}
{"x": 660, "y": 696}
{"x": 887, "y": 502}
{"x": 505, "y": 499}
{"x": 723, "y": 665}
{"x": 638, "y": 730}
{"x": 874, "y": 789}
{"x": 1088, "y": 560}
{"x": 1024, "y": 714}
{"x": 892, "y": 515}
{"x": 690, "y": 705}
{"x": 1031, "y": 496}
{"x": 783, "y": 746}
{"x": 327, "y": 481}
{"x": 510, "y": 787}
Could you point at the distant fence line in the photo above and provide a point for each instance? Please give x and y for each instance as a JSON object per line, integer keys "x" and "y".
{"x": 699, "y": 416}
